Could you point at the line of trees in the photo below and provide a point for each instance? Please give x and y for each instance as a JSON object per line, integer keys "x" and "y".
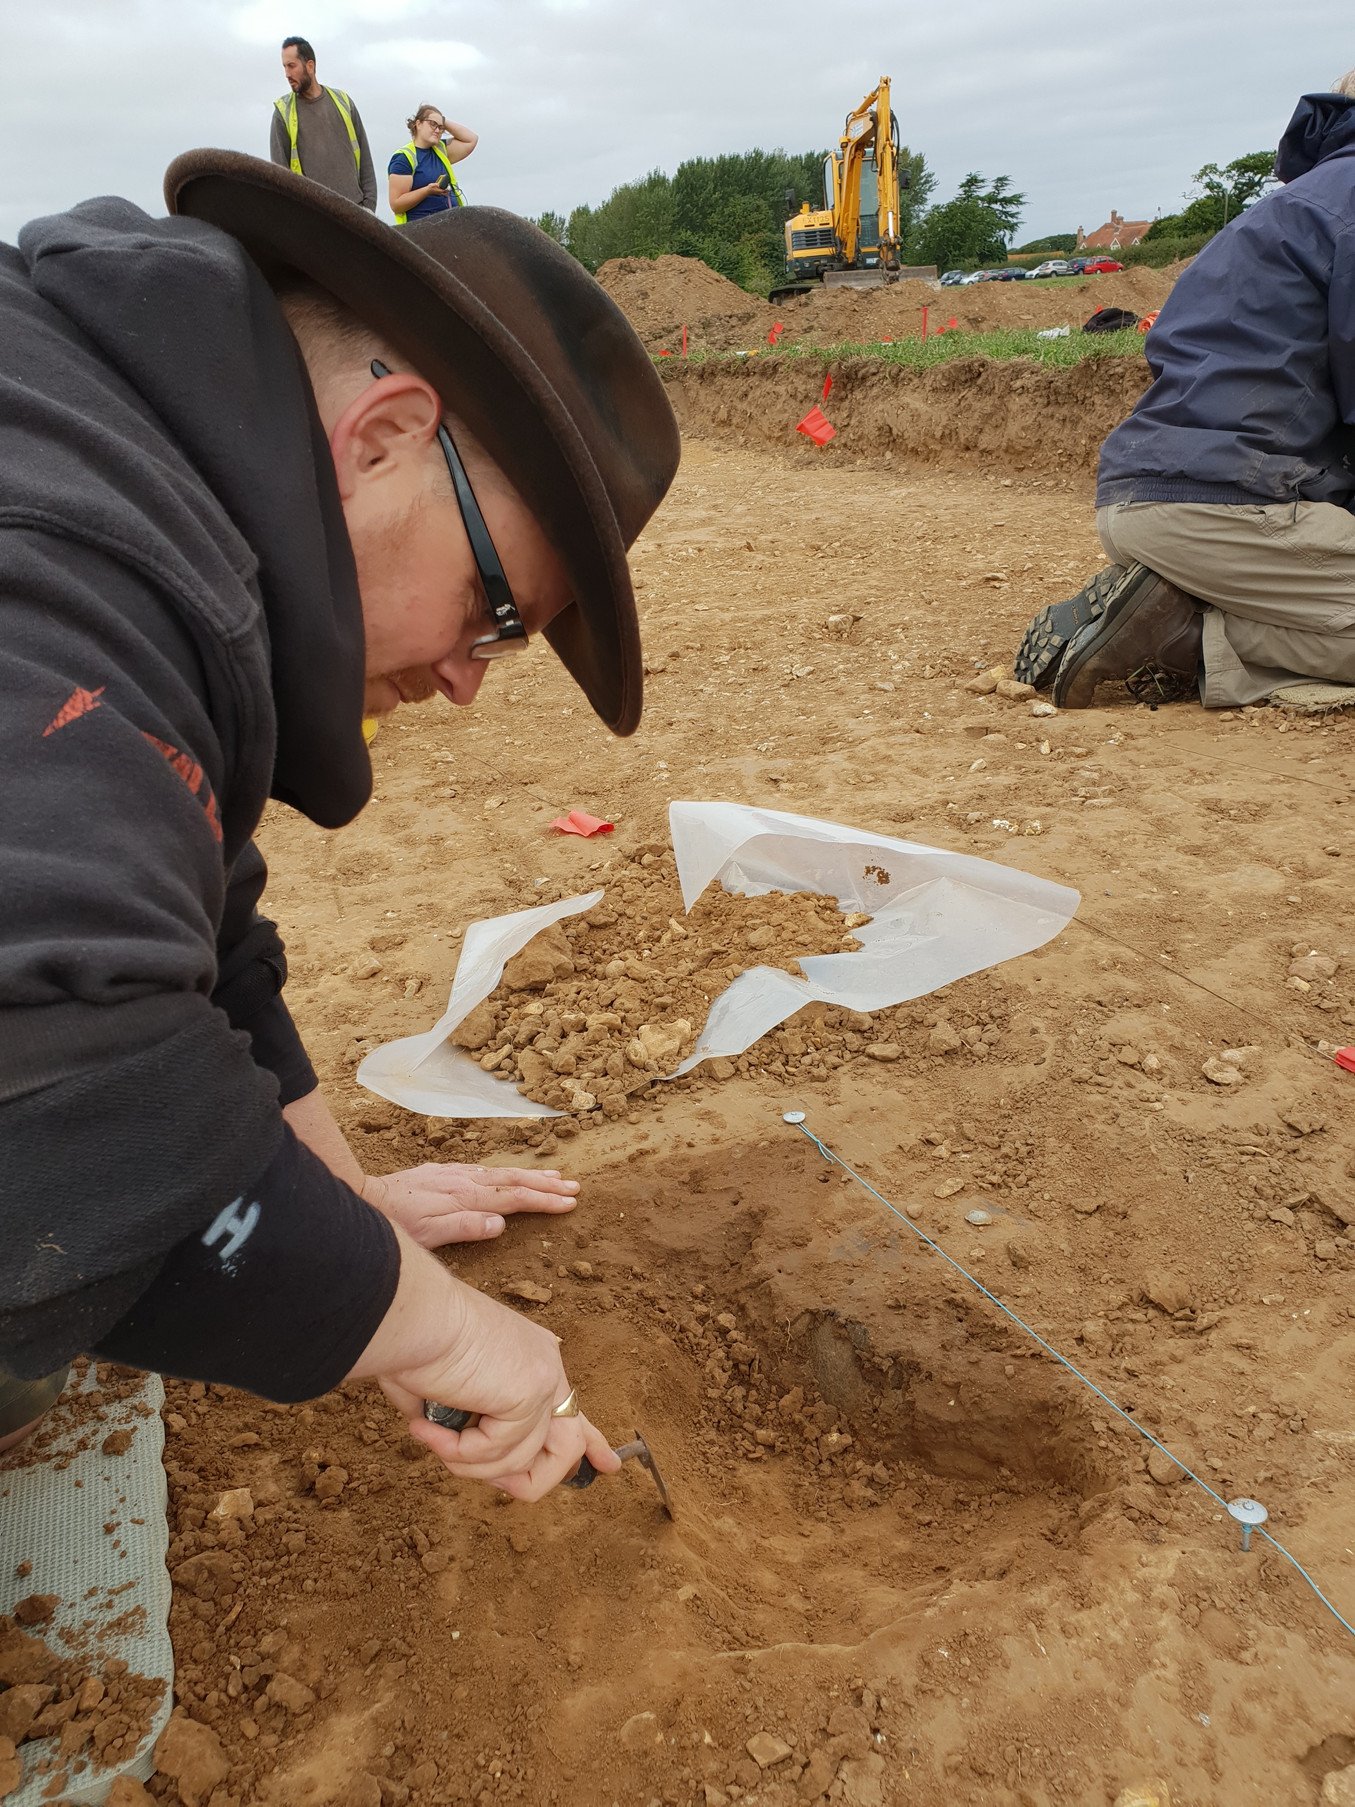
{"x": 730, "y": 211}
{"x": 1218, "y": 195}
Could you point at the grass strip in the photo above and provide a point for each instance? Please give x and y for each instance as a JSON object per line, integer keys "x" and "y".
{"x": 944, "y": 348}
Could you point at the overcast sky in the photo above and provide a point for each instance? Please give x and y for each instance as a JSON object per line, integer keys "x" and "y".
{"x": 1086, "y": 106}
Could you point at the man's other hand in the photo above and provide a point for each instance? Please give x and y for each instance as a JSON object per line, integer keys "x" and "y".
{"x": 445, "y": 1202}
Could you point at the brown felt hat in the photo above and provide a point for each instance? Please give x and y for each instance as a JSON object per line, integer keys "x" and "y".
{"x": 520, "y": 342}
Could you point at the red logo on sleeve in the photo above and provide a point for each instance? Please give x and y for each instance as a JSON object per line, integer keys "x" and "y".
{"x": 78, "y": 703}
{"x": 81, "y": 701}
{"x": 193, "y": 776}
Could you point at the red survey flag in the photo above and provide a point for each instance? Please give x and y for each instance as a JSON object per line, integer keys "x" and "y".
{"x": 1345, "y": 1057}
{"x": 816, "y": 426}
{"x": 579, "y": 822}
{"x": 827, "y": 387}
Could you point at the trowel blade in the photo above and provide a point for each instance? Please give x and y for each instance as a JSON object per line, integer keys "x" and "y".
{"x": 640, "y": 1451}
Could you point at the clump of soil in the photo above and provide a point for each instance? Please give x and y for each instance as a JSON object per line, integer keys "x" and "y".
{"x": 600, "y": 1005}
{"x": 98, "y": 1711}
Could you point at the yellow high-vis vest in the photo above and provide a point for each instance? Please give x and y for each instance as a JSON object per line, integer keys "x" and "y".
{"x": 410, "y": 152}
{"x": 287, "y": 108}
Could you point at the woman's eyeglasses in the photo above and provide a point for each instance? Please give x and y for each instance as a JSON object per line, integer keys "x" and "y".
{"x": 509, "y": 635}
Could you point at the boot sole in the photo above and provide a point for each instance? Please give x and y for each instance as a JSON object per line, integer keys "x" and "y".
{"x": 1058, "y": 624}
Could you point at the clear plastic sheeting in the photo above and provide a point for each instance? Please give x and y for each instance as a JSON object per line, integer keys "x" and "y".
{"x": 935, "y": 917}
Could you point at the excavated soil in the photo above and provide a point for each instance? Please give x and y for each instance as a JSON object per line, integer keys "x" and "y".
{"x": 1009, "y": 416}
{"x": 599, "y": 1007}
{"x": 661, "y": 295}
{"x": 913, "y": 1560}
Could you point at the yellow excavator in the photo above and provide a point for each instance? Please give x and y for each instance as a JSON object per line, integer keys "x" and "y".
{"x": 854, "y": 238}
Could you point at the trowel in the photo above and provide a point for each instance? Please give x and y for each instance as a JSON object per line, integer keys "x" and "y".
{"x": 451, "y": 1418}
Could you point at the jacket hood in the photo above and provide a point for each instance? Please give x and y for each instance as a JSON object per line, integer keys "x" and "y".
{"x": 187, "y": 321}
{"x": 1323, "y": 126}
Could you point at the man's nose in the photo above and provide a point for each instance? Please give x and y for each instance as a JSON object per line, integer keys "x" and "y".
{"x": 460, "y": 678}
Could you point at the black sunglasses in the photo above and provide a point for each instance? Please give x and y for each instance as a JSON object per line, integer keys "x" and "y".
{"x": 509, "y": 635}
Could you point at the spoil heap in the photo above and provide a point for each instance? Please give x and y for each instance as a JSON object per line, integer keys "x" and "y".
{"x": 661, "y": 295}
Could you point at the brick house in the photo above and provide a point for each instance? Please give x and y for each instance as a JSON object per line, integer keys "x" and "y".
{"x": 1118, "y": 234}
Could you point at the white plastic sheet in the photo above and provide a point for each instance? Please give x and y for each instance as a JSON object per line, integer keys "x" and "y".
{"x": 936, "y": 917}
{"x": 425, "y": 1072}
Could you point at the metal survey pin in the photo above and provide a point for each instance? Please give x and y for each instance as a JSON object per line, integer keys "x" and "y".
{"x": 1249, "y": 1514}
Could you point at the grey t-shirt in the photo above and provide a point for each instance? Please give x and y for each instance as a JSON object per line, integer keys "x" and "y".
{"x": 323, "y": 146}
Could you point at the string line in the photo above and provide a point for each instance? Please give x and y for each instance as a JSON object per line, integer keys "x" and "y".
{"x": 1049, "y": 1349}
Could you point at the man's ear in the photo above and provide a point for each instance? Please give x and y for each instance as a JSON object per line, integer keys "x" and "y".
{"x": 384, "y": 430}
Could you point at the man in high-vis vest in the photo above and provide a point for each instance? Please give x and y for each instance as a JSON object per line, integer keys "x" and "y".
{"x": 318, "y": 132}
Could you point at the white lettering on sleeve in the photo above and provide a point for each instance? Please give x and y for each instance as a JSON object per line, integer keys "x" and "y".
{"x": 234, "y": 1226}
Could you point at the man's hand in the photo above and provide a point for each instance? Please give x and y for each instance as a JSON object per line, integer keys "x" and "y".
{"x": 444, "y": 1202}
{"x": 442, "y": 1340}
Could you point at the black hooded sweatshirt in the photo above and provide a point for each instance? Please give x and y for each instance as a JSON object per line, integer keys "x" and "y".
{"x": 181, "y": 640}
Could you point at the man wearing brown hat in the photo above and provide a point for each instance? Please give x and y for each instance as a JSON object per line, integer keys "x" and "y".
{"x": 268, "y": 465}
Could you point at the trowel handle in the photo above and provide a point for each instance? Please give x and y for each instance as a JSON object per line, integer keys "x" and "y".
{"x": 450, "y": 1417}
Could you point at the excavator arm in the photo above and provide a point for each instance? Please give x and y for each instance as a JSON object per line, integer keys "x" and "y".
{"x": 869, "y": 130}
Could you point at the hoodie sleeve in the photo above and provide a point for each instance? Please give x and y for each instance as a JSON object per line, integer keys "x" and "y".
{"x": 252, "y": 970}
{"x": 132, "y": 1111}
{"x": 1341, "y": 334}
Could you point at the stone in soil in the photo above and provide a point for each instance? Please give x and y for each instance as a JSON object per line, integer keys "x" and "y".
{"x": 189, "y": 1754}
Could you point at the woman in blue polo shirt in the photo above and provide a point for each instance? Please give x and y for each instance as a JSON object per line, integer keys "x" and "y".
{"x": 422, "y": 179}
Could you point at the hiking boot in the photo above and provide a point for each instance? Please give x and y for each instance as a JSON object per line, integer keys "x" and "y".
{"x": 1149, "y": 639}
{"x": 1037, "y": 657}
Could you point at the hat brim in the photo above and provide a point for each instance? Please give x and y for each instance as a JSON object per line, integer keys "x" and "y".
{"x": 482, "y": 372}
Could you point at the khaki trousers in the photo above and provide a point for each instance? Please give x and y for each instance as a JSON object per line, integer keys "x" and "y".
{"x": 1281, "y": 581}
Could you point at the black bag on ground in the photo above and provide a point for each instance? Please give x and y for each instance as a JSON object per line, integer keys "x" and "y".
{"x": 1110, "y": 320}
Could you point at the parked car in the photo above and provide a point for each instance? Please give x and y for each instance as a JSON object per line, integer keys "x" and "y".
{"x": 1101, "y": 266}
{"x": 973, "y": 277}
{"x": 1012, "y": 273}
{"x": 953, "y": 278}
{"x": 1053, "y": 266}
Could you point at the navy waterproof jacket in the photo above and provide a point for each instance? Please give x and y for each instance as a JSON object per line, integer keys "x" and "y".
{"x": 1253, "y": 355}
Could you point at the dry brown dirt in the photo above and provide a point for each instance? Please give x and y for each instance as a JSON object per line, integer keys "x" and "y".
{"x": 1009, "y": 416}
{"x": 907, "y": 1546}
{"x": 661, "y": 295}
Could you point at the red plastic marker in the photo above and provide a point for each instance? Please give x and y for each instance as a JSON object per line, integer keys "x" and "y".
{"x": 579, "y": 822}
{"x": 827, "y": 387}
{"x": 816, "y": 426}
{"x": 1345, "y": 1057}
{"x": 665, "y": 353}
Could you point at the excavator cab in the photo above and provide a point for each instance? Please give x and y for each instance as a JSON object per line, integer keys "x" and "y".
{"x": 854, "y": 237}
